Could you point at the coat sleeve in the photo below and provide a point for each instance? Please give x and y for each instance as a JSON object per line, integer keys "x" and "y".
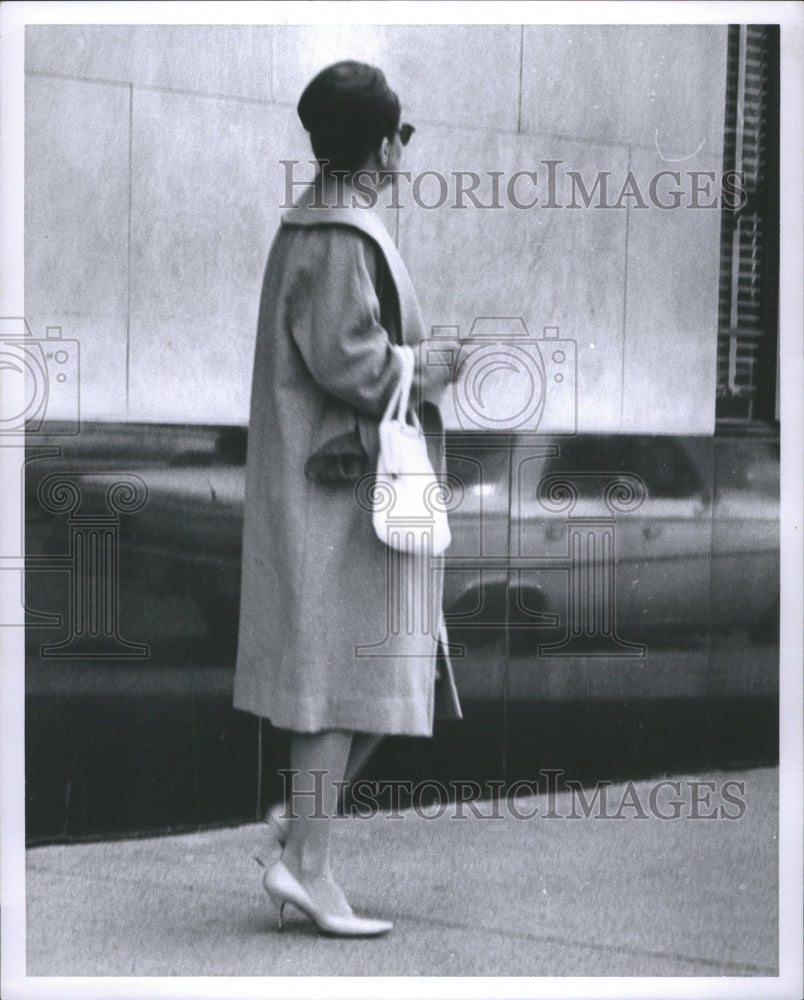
{"x": 334, "y": 319}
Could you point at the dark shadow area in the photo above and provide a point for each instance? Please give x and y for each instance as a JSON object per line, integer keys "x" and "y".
{"x": 110, "y": 766}
{"x": 106, "y": 766}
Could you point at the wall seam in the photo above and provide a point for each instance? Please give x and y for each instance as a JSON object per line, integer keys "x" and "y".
{"x": 128, "y": 239}
{"x": 625, "y": 302}
{"x": 273, "y": 64}
{"x": 521, "y": 66}
{"x": 77, "y": 78}
{"x": 159, "y": 88}
{"x": 271, "y": 102}
{"x": 468, "y": 126}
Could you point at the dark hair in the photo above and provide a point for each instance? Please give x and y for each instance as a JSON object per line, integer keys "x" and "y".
{"x": 348, "y": 108}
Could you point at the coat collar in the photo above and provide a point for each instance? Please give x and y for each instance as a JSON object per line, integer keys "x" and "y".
{"x": 309, "y": 213}
{"x": 336, "y": 207}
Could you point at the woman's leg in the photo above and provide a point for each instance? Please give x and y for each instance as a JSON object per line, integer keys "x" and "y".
{"x": 363, "y": 746}
{"x": 319, "y": 760}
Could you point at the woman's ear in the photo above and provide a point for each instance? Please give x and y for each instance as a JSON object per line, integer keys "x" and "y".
{"x": 384, "y": 152}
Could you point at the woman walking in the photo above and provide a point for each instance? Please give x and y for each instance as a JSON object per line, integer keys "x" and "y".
{"x": 316, "y": 655}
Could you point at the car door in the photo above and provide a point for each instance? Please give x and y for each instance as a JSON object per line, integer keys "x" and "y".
{"x": 641, "y": 509}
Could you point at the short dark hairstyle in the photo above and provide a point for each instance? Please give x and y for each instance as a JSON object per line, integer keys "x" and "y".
{"x": 348, "y": 108}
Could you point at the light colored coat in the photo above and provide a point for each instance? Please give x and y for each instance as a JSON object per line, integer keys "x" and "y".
{"x": 336, "y": 631}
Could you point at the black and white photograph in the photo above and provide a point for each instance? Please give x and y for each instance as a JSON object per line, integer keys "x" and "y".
{"x": 401, "y": 444}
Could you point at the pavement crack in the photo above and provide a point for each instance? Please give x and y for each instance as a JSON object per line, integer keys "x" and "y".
{"x": 723, "y": 966}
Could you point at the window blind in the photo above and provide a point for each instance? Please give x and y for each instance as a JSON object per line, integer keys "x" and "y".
{"x": 749, "y": 272}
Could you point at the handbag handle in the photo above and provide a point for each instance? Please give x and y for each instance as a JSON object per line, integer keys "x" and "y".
{"x": 400, "y": 398}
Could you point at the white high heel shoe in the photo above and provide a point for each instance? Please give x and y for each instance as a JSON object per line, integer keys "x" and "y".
{"x": 283, "y": 887}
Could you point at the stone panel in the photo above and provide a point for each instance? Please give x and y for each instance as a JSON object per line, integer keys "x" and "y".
{"x": 207, "y": 194}
{"x": 76, "y": 231}
{"x": 659, "y": 86}
{"x": 551, "y": 266}
{"x": 232, "y": 60}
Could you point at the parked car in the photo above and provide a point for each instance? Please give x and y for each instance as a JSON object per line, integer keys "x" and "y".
{"x": 633, "y": 577}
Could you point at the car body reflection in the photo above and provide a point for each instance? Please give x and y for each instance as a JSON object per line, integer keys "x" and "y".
{"x": 693, "y": 604}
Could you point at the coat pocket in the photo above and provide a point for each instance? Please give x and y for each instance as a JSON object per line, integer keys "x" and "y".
{"x": 338, "y": 452}
{"x": 342, "y": 459}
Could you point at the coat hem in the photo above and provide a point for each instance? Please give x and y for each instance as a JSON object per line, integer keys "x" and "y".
{"x": 311, "y": 726}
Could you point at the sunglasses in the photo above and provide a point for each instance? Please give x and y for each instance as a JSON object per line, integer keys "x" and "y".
{"x": 405, "y": 131}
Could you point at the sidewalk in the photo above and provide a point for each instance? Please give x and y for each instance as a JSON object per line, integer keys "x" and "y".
{"x": 535, "y": 897}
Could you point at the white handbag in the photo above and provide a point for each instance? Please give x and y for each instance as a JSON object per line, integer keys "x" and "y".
{"x": 408, "y": 510}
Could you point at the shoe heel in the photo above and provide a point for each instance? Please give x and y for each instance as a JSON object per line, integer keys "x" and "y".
{"x": 278, "y": 901}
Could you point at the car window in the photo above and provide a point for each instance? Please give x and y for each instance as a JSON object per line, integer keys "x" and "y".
{"x": 659, "y": 461}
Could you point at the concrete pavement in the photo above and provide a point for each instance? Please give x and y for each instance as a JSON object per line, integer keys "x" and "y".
{"x": 506, "y": 897}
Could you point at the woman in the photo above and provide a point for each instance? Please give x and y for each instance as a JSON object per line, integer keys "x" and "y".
{"x": 317, "y": 652}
